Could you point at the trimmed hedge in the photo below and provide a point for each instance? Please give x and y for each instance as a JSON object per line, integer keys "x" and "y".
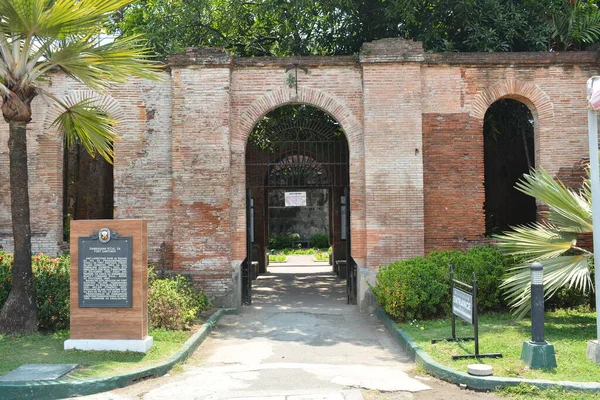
{"x": 419, "y": 288}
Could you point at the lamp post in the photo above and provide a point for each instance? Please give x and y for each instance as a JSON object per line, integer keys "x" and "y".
{"x": 537, "y": 303}
{"x": 537, "y": 353}
{"x": 593, "y": 97}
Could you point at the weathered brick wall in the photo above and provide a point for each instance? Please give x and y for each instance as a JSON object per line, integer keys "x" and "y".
{"x": 142, "y": 174}
{"x": 143, "y": 166}
{"x": 413, "y": 123}
{"x": 454, "y": 105}
{"x": 393, "y": 161}
{"x": 453, "y": 181}
{"x": 201, "y": 175}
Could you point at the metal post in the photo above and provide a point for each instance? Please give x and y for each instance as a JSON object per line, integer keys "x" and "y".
{"x": 537, "y": 303}
{"x": 452, "y": 301}
{"x": 475, "y": 318}
{"x": 595, "y": 180}
{"x": 538, "y": 353}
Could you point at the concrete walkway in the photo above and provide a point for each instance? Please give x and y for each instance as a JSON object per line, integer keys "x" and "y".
{"x": 298, "y": 340}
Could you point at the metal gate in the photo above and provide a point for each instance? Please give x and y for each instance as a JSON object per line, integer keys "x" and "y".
{"x": 247, "y": 264}
{"x": 297, "y": 147}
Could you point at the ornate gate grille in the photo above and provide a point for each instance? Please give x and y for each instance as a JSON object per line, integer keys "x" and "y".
{"x": 297, "y": 146}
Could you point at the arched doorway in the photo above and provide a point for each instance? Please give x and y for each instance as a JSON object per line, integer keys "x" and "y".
{"x": 508, "y": 154}
{"x": 297, "y": 182}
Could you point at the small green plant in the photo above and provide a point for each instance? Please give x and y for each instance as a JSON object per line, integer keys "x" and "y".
{"x": 172, "y": 301}
{"x": 321, "y": 256}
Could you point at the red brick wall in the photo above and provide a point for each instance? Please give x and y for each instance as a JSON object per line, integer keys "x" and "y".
{"x": 453, "y": 181}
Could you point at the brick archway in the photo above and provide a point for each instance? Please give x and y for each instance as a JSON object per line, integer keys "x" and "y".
{"x": 353, "y": 130}
{"x": 532, "y": 96}
{"x": 538, "y": 102}
{"x": 313, "y": 97}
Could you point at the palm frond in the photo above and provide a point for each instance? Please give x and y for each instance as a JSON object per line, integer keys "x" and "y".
{"x": 87, "y": 121}
{"x": 569, "y": 211}
{"x": 99, "y": 66}
{"x": 536, "y": 241}
{"x": 573, "y": 271}
{"x": 56, "y": 18}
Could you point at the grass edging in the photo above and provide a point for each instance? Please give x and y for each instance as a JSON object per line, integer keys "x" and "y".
{"x": 47, "y": 390}
{"x": 418, "y": 355}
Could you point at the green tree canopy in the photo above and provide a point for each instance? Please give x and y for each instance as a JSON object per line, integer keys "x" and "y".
{"x": 337, "y": 27}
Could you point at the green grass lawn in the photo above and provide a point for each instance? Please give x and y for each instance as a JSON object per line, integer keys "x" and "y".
{"x": 277, "y": 258}
{"x": 39, "y": 348}
{"x": 530, "y": 392}
{"x": 567, "y": 330}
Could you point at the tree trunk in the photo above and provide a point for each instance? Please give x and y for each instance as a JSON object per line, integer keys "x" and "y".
{"x": 19, "y": 313}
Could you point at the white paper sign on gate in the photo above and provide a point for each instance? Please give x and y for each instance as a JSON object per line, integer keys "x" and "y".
{"x": 295, "y": 199}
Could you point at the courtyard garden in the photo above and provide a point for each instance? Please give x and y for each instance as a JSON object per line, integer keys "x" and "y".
{"x": 281, "y": 246}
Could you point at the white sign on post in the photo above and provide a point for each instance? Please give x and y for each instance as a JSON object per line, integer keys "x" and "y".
{"x": 462, "y": 305}
{"x": 295, "y": 199}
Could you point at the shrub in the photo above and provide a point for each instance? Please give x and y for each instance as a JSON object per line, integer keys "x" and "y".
{"x": 6, "y": 263}
{"x": 51, "y": 277}
{"x": 172, "y": 301}
{"x": 420, "y": 287}
{"x": 489, "y": 266}
{"x": 319, "y": 240}
{"x": 278, "y": 242}
{"x": 413, "y": 288}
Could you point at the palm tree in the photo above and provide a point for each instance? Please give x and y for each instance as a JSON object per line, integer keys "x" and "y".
{"x": 36, "y": 37}
{"x": 574, "y": 25}
{"x": 552, "y": 242}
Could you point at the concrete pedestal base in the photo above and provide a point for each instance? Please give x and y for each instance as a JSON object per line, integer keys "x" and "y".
{"x": 538, "y": 355}
{"x": 593, "y": 351}
{"x": 139, "y": 346}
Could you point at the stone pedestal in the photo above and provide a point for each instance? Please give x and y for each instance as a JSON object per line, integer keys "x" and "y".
{"x": 102, "y": 316}
{"x": 538, "y": 355}
{"x": 593, "y": 351}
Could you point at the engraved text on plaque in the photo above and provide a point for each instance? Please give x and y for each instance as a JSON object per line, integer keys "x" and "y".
{"x": 105, "y": 270}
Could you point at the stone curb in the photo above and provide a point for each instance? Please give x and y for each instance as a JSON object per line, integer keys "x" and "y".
{"x": 48, "y": 390}
{"x": 448, "y": 374}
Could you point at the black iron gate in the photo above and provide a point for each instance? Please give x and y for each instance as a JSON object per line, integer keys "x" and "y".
{"x": 247, "y": 264}
{"x": 352, "y": 273}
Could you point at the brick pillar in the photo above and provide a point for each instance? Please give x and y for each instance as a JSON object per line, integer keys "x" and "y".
{"x": 201, "y": 171}
{"x": 393, "y": 149}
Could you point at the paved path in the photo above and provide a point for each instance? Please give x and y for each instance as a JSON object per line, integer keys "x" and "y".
{"x": 298, "y": 340}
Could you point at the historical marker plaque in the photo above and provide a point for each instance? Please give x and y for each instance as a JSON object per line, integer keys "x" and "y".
{"x": 105, "y": 270}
